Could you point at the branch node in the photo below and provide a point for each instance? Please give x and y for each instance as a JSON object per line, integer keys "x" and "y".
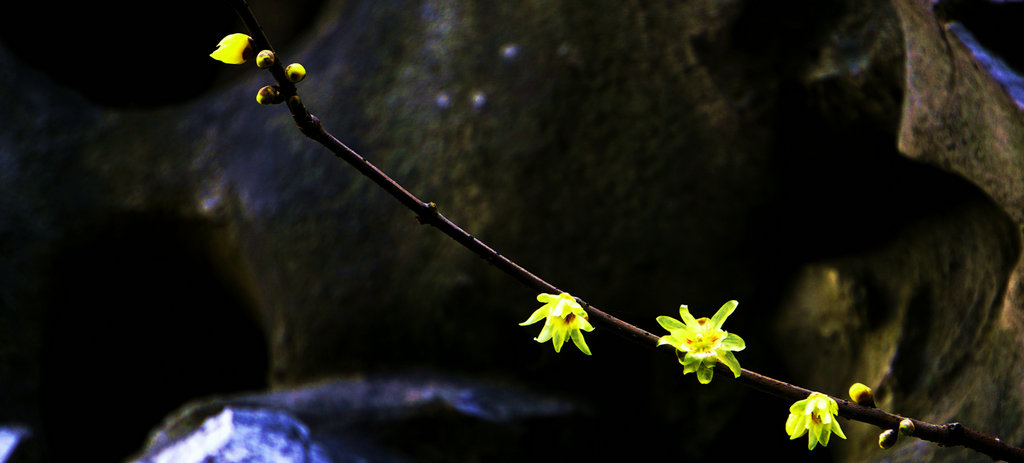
{"x": 308, "y": 124}
{"x": 428, "y": 213}
{"x": 956, "y": 433}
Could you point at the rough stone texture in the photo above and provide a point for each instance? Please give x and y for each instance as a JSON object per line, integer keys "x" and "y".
{"x": 389, "y": 418}
{"x": 932, "y": 316}
{"x": 640, "y": 155}
{"x": 901, "y": 319}
{"x": 955, "y": 113}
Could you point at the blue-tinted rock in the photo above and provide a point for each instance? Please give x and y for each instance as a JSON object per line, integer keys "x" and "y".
{"x": 382, "y": 419}
{"x": 12, "y": 439}
{"x": 237, "y": 435}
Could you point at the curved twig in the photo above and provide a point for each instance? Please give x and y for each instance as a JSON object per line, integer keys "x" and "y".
{"x": 951, "y": 434}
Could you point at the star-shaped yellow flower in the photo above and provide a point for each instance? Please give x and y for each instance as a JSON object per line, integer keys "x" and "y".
{"x": 563, "y": 318}
{"x": 700, "y": 342}
{"x": 817, "y": 414}
{"x": 234, "y": 49}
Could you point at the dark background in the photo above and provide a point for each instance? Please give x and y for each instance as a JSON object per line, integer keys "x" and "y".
{"x": 641, "y": 156}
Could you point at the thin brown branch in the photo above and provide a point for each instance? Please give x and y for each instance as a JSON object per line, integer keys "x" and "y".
{"x": 951, "y": 434}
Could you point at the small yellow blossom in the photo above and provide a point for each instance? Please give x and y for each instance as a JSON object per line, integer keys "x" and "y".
{"x": 234, "y": 49}
{"x": 564, "y": 318}
{"x": 817, "y": 414}
{"x": 700, "y": 342}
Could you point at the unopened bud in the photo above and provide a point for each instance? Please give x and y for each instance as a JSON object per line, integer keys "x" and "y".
{"x": 234, "y": 49}
{"x": 887, "y": 439}
{"x": 268, "y": 95}
{"x": 295, "y": 72}
{"x": 862, "y": 394}
{"x": 265, "y": 59}
{"x": 906, "y": 427}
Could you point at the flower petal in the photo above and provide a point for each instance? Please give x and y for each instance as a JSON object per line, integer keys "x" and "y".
{"x": 584, "y": 325}
{"x": 734, "y": 343}
{"x": 558, "y": 334}
{"x": 791, "y": 427}
{"x": 690, "y": 363}
{"x": 577, "y": 338}
{"x": 719, "y": 318}
{"x": 811, "y": 403}
{"x": 670, "y": 323}
{"x": 545, "y": 333}
{"x": 790, "y": 424}
{"x": 730, "y": 361}
{"x": 815, "y": 432}
{"x": 537, "y": 316}
{"x": 799, "y": 407}
{"x": 799, "y": 426}
{"x": 565, "y": 305}
{"x": 671, "y": 340}
{"x": 545, "y": 297}
{"x": 688, "y": 319}
{"x": 836, "y": 429}
{"x": 705, "y": 372}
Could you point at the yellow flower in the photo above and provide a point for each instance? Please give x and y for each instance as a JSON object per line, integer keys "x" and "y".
{"x": 700, "y": 343}
{"x": 234, "y": 49}
{"x": 817, "y": 414}
{"x": 564, "y": 318}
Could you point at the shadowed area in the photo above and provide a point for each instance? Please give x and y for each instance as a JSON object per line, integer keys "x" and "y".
{"x": 140, "y": 322}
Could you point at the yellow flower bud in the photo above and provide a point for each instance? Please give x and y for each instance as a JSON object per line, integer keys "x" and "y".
{"x": 295, "y": 72}
{"x": 887, "y": 439}
{"x": 265, "y": 59}
{"x": 862, "y": 394}
{"x": 234, "y": 49}
{"x": 268, "y": 95}
{"x": 906, "y": 427}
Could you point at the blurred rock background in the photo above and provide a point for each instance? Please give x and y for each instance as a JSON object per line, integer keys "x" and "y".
{"x": 176, "y": 257}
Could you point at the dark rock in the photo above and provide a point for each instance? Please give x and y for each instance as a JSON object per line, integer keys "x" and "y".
{"x": 925, "y": 319}
{"x": 639, "y": 156}
{"x": 394, "y": 418}
{"x": 242, "y": 435}
{"x": 959, "y": 109}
